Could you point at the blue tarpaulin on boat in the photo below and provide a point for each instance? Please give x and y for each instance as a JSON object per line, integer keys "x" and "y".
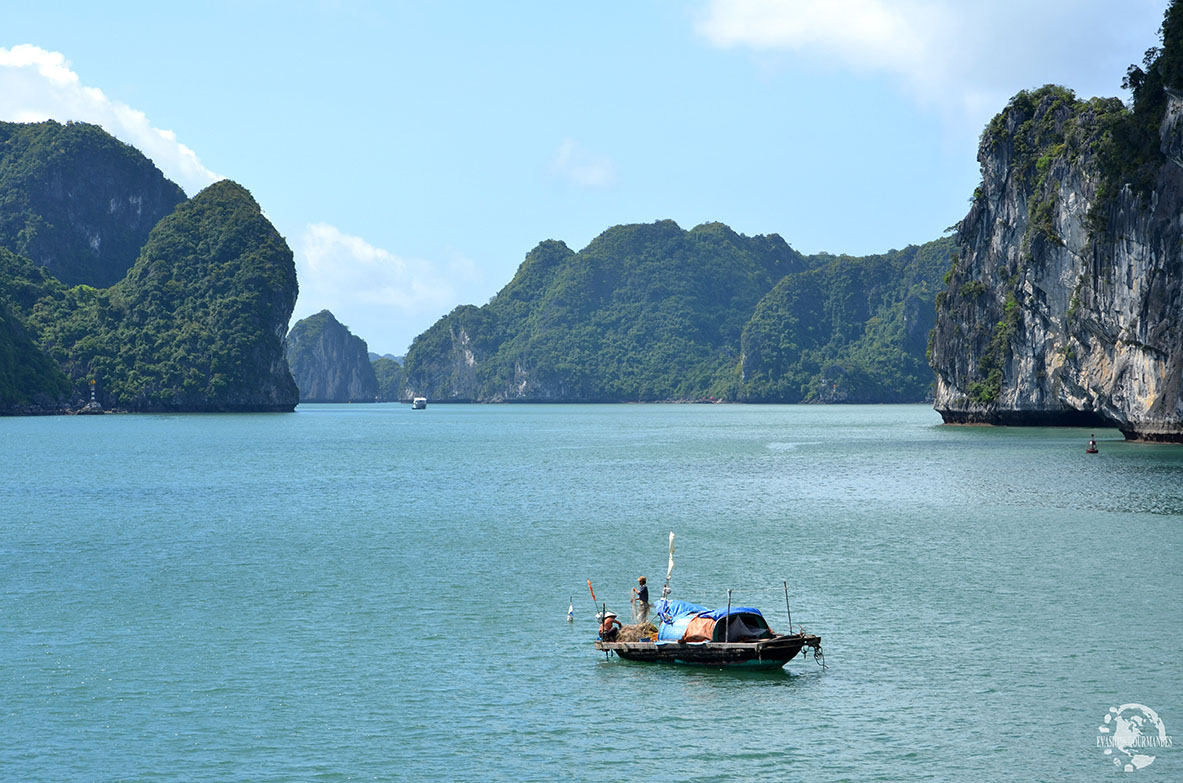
{"x": 672, "y": 632}
{"x": 673, "y": 617}
{"x": 668, "y": 610}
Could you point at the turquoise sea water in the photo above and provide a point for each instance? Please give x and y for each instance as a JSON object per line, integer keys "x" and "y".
{"x": 371, "y": 593}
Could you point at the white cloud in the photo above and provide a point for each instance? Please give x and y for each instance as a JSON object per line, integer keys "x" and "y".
{"x": 577, "y": 165}
{"x": 966, "y": 59}
{"x": 862, "y": 31}
{"x": 383, "y": 298}
{"x": 37, "y": 85}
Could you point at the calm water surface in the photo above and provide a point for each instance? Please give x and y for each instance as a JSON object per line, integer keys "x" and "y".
{"x": 371, "y": 593}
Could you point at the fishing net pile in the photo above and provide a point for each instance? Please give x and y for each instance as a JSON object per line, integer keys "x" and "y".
{"x": 641, "y": 632}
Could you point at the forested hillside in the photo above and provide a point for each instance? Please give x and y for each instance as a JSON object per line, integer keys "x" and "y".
{"x": 389, "y": 375}
{"x": 652, "y": 312}
{"x": 197, "y": 324}
{"x": 29, "y": 380}
{"x": 110, "y": 275}
{"x": 848, "y": 330}
{"x": 644, "y": 312}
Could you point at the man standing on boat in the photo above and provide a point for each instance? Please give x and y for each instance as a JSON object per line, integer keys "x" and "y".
{"x": 641, "y": 601}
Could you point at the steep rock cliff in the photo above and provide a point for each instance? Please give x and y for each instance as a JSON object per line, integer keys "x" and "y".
{"x": 328, "y": 362}
{"x": 1064, "y": 303}
{"x": 77, "y": 200}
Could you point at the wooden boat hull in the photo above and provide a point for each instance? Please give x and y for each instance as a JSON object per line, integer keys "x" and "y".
{"x": 772, "y": 653}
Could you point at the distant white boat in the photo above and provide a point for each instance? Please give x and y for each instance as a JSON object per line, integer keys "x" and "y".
{"x": 418, "y": 403}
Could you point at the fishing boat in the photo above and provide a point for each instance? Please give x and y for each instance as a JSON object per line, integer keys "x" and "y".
{"x": 688, "y": 633}
{"x": 722, "y": 637}
{"x": 418, "y": 403}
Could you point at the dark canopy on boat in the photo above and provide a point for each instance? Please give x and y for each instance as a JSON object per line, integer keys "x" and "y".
{"x": 719, "y": 614}
{"x": 744, "y": 624}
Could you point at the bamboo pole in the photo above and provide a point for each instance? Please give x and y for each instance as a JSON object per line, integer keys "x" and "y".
{"x": 727, "y": 622}
{"x": 787, "y": 609}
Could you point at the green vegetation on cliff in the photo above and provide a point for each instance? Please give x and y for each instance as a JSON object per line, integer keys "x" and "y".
{"x": 848, "y": 330}
{"x": 28, "y": 378}
{"x": 390, "y": 379}
{"x": 644, "y": 312}
{"x": 652, "y": 312}
{"x": 1050, "y": 122}
{"x": 75, "y": 199}
{"x": 197, "y": 324}
{"x": 1135, "y": 151}
{"x": 1046, "y": 123}
{"x": 113, "y": 276}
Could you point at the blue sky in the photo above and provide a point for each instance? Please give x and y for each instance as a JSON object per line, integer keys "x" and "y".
{"x": 412, "y": 153}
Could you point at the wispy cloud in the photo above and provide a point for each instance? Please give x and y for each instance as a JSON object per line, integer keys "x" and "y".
{"x": 36, "y": 85}
{"x": 963, "y": 58}
{"x": 573, "y": 163}
{"x": 373, "y": 291}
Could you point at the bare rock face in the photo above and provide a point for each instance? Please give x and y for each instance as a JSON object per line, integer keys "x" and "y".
{"x": 328, "y": 363}
{"x": 1064, "y": 304}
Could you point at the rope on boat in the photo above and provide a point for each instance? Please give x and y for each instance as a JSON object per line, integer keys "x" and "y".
{"x": 818, "y": 655}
